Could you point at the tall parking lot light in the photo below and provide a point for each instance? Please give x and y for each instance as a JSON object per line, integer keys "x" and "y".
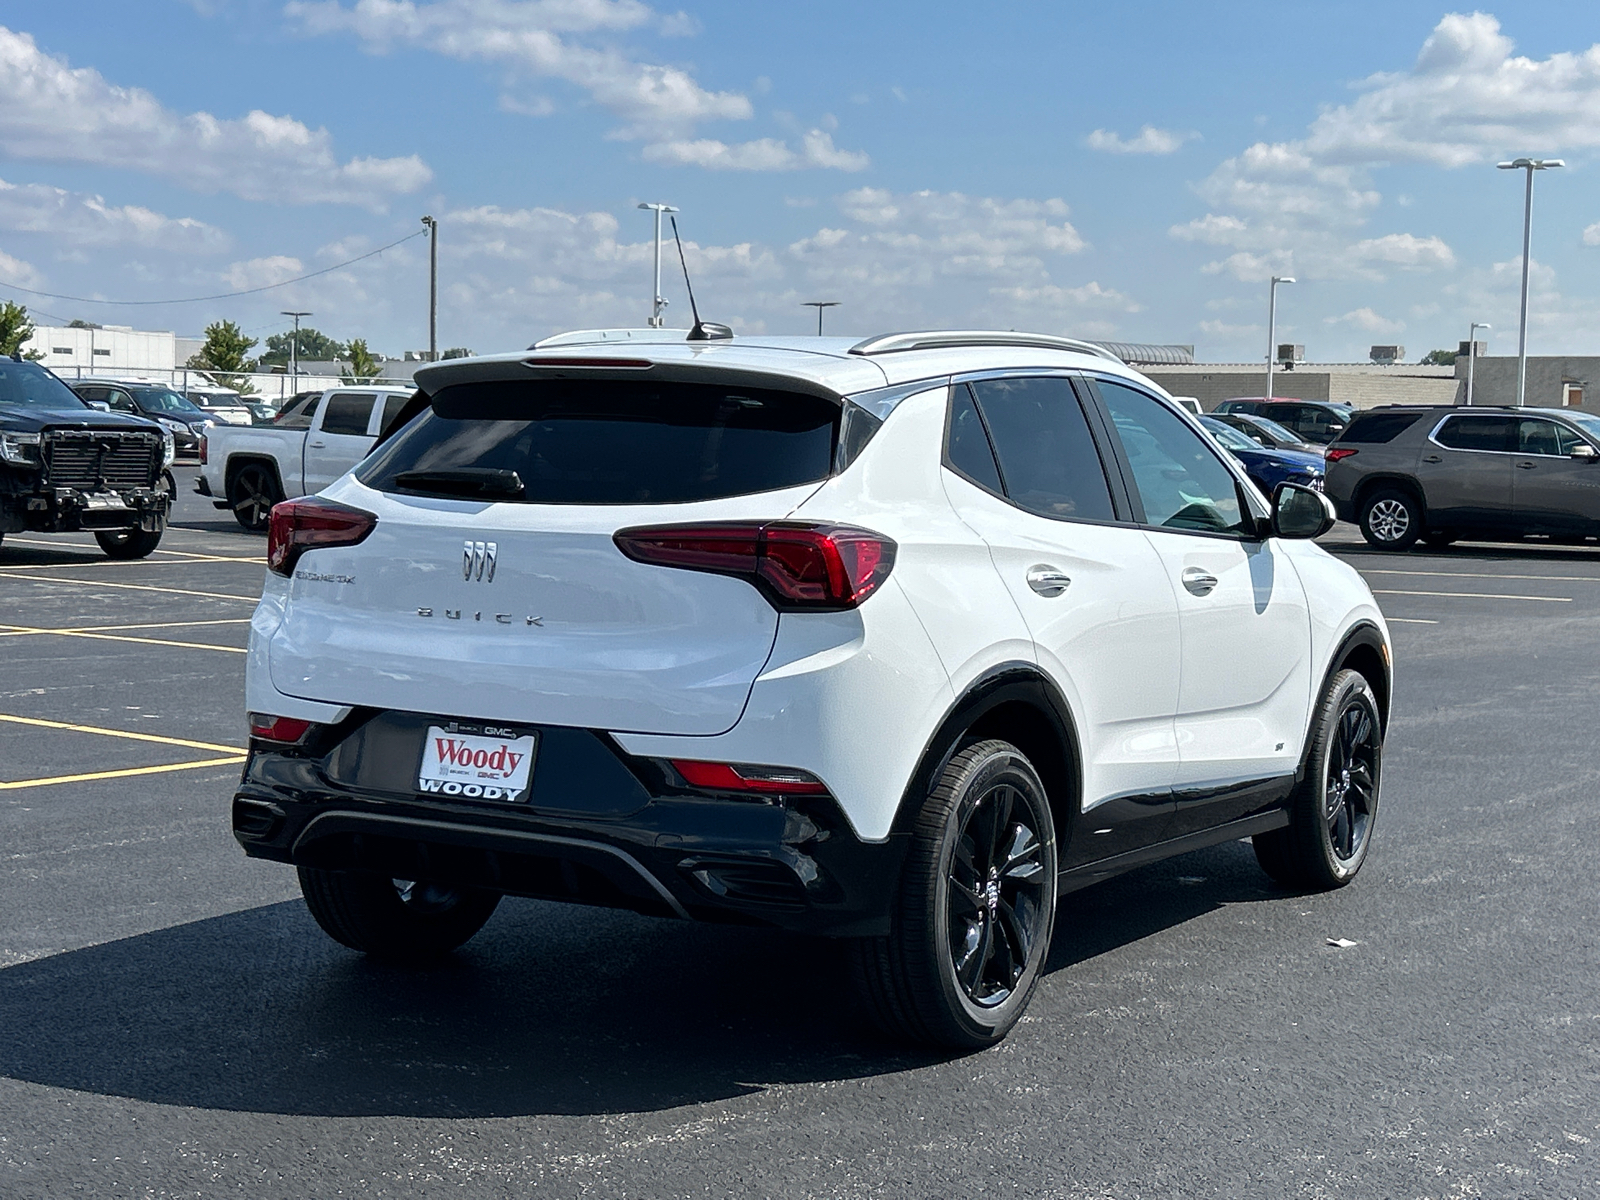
{"x": 1272, "y": 327}
{"x": 294, "y": 351}
{"x": 659, "y": 302}
{"x": 1530, "y": 165}
{"x": 1472, "y": 353}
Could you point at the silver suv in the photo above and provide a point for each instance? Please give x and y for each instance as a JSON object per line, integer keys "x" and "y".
{"x": 1441, "y": 474}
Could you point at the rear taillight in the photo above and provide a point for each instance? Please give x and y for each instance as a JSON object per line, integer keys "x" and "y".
{"x": 267, "y": 728}
{"x": 796, "y": 565}
{"x": 746, "y": 777}
{"x": 1335, "y": 453}
{"x": 309, "y": 524}
{"x": 203, "y": 450}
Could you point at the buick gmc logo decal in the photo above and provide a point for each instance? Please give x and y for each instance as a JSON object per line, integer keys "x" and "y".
{"x": 477, "y": 561}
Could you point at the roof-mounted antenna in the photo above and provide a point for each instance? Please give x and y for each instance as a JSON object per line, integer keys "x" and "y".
{"x": 703, "y": 331}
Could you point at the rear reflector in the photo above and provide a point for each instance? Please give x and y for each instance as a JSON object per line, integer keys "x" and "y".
{"x": 798, "y": 566}
{"x": 1335, "y": 453}
{"x": 203, "y": 459}
{"x": 745, "y": 777}
{"x": 268, "y": 728}
{"x": 310, "y": 523}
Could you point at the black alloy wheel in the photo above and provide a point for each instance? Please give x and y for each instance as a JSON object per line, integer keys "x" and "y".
{"x": 402, "y": 920}
{"x": 1391, "y": 519}
{"x": 1332, "y": 812}
{"x": 976, "y": 910}
{"x": 251, "y": 494}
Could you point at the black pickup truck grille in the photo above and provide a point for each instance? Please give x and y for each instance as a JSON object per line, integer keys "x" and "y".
{"x": 100, "y": 461}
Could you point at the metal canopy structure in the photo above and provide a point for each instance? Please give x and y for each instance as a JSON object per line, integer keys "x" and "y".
{"x": 1143, "y": 354}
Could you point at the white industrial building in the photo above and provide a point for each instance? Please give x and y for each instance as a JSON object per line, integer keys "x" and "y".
{"x": 71, "y": 351}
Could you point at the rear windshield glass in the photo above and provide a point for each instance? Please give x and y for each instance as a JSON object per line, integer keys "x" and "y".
{"x": 1372, "y": 429}
{"x": 607, "y": 442}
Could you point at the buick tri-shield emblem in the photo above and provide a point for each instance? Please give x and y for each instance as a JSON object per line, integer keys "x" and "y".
{"x": 477, "y": 561}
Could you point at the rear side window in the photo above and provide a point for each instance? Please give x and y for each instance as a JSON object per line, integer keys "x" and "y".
{"x": 300, "y": 414}
{"x": 967, "y": 449}
{"x": 1479, "y": 433}
{"x": 1048, "y": 461}
{"x": 1373, "y": 429}
{"x": 391, "y": 408}
{"x": 348, "y": 412}
{"x": 607, "y": 442}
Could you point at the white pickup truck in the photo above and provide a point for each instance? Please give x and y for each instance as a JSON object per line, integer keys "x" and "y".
{"x": 315, "y": 440}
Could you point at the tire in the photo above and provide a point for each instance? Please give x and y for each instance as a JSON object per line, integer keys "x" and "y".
{"x": 1440, "y": 538}
{"x": 252, "y": 492}
{"x": 128, "y": 543}
{"x": 1333, "y": 811}
{"x": 1391, "y": 519}
{"x": 977, "y": 894}
{"x": 393, "y": 919}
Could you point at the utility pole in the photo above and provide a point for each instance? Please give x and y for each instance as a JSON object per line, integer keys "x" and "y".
{"x": 659, "y": 303}
{"x": 1530, "y": 165}
{"x": 433, "y": 288}
{"x": 1472, "y": 353}
{"x": 1272, "y": 327}
{"x": 819, "y": 305}
{"x": 294, "y": 351}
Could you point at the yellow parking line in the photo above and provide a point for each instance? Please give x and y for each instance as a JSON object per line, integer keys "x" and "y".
{"x": 1475, "y": 596}
{"x": 1408, "y": 620}
{"x": 23, "y": 631}
{"x": 16, "y": 541}
{"x": 121, "y": 733}
{"x": 135, "y": 587}
{"x": 1485, "y": 575}
{"x": 124, "y": 773}
{"x": 196, "y": 560}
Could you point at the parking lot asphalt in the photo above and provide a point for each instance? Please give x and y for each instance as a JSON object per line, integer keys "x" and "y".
{"x": 173, "y": 1024}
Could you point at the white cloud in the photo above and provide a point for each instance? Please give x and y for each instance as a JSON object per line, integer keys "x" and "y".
{"x": 540, "y": 37}
{"x": 1591, "y": 235}
{"x": 1367, "y": 321}
{"x": 1150, "y": 140}
{"x": 1223, "y": 329}
{"x": 261, "y": 272}
{"x": 82, "y": 219}
{"x": 1467, "y": 99}
{"x": 14, "y": 270}
{"x": 51, "y": 111}
{"x": 1405, "y": 250}
{"x": 764, "y": 154}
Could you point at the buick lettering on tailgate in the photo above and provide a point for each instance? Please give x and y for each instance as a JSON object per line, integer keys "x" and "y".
{"x": 476, "y": 768}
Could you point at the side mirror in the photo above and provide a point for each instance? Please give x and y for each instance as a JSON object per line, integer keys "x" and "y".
{"x": 1299, "y": 512}
{"x": 98, "y": 405}
{"x": 1584, "y": 452}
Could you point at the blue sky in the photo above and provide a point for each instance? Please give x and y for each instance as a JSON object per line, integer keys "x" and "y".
{"x": 1132, "y": 171}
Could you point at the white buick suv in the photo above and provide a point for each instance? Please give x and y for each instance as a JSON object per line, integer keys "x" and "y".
{"x": 895, "y": 640}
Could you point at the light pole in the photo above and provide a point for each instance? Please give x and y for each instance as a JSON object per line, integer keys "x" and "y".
{"x": 659, "y": 302}
{"x": 819, "y": 305}
{"x": 433, "y": 288}
{"x": 1472, "y": 353}
{"x": 1530, "y": 165}
{"x": 294, "y": 351}
{"x": 1272, "y": 326}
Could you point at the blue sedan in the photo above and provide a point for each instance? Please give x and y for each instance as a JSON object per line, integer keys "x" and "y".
{"x": 1266, "y": 468}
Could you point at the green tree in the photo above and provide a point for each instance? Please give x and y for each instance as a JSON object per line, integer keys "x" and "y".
{"x": 224, "y": 356}
{"x": 315, "y": 346}
{"x": 15, "y": 328}
{"x": 364, "y": 366}
{"x": 1439, "y": 358}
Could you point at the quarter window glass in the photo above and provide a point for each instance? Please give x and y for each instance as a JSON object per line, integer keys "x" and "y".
{"x": 348, "y": 412}
{"x": 970, "y": 452}
{"x": 1048, "y": 459}
{"x": 1479, "y": 433}
{"x": 299, "y": 414}
{"x": 1180, "y": 479}
{"x": 391, "y": 406}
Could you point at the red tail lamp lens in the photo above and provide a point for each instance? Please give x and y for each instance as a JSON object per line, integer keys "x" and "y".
{"x": 203, "y": 459}
{"x": 269, "y": 728}
{"x": 745, "y": 777}
{"x": 1338, "y": 452}
{"x": 309, "y": 524}
{"x": 797, "y": 565}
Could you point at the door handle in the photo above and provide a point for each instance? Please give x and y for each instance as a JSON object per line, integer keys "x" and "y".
{"x": 317, "y": 445}
{"x": 1526, "y": 466}
{"x": 1431, "y": 458}
{"x": 1048, "y": 581}
{"x": 1198, "y": 581}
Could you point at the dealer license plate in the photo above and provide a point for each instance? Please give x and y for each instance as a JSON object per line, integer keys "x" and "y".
{"x": 476, "y": 767}
{"x": 104, "y": 500}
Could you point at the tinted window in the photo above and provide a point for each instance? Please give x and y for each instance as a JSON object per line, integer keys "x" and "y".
{"x": 1227, "y": 436}
{"x": 969, "y": 449}
{"x": 348, "y": 412}
{"x": 1180, "y": 479}
{"x": 164, "y": 400}
{"x": 299, "y": 414}
{"x": 1319, "y": 424}
{"x": 1545, "y": 437}
{"x": 1372, "y": 429}
{"x": 610, "y": 442}
{"x": 1048, "y": 461}
{"x": 391, "y": 407}
{"x": 1478, "y": 433}
{"x": 29, "y": 384}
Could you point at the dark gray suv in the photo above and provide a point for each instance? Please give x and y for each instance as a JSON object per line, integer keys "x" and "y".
{"x": 1477, "y": 473}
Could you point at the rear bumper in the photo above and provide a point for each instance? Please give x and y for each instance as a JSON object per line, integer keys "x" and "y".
{"x": 597, "y": 829}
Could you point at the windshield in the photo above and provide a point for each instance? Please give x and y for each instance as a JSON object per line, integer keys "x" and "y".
{"x": 1275, "y": 431}
{"x": 30, "y": 385}
{"x": 1587, "y": 422}
{"x": 162, "y": 400}
{"x": 1227, "y": 435}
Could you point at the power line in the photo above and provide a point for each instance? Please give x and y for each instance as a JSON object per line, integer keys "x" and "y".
{"x": 221, "y": 295}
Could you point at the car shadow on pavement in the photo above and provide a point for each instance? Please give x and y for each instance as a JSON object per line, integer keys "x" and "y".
{"x": 552, "y": 1009}
{"x": 1362, "y": 555}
